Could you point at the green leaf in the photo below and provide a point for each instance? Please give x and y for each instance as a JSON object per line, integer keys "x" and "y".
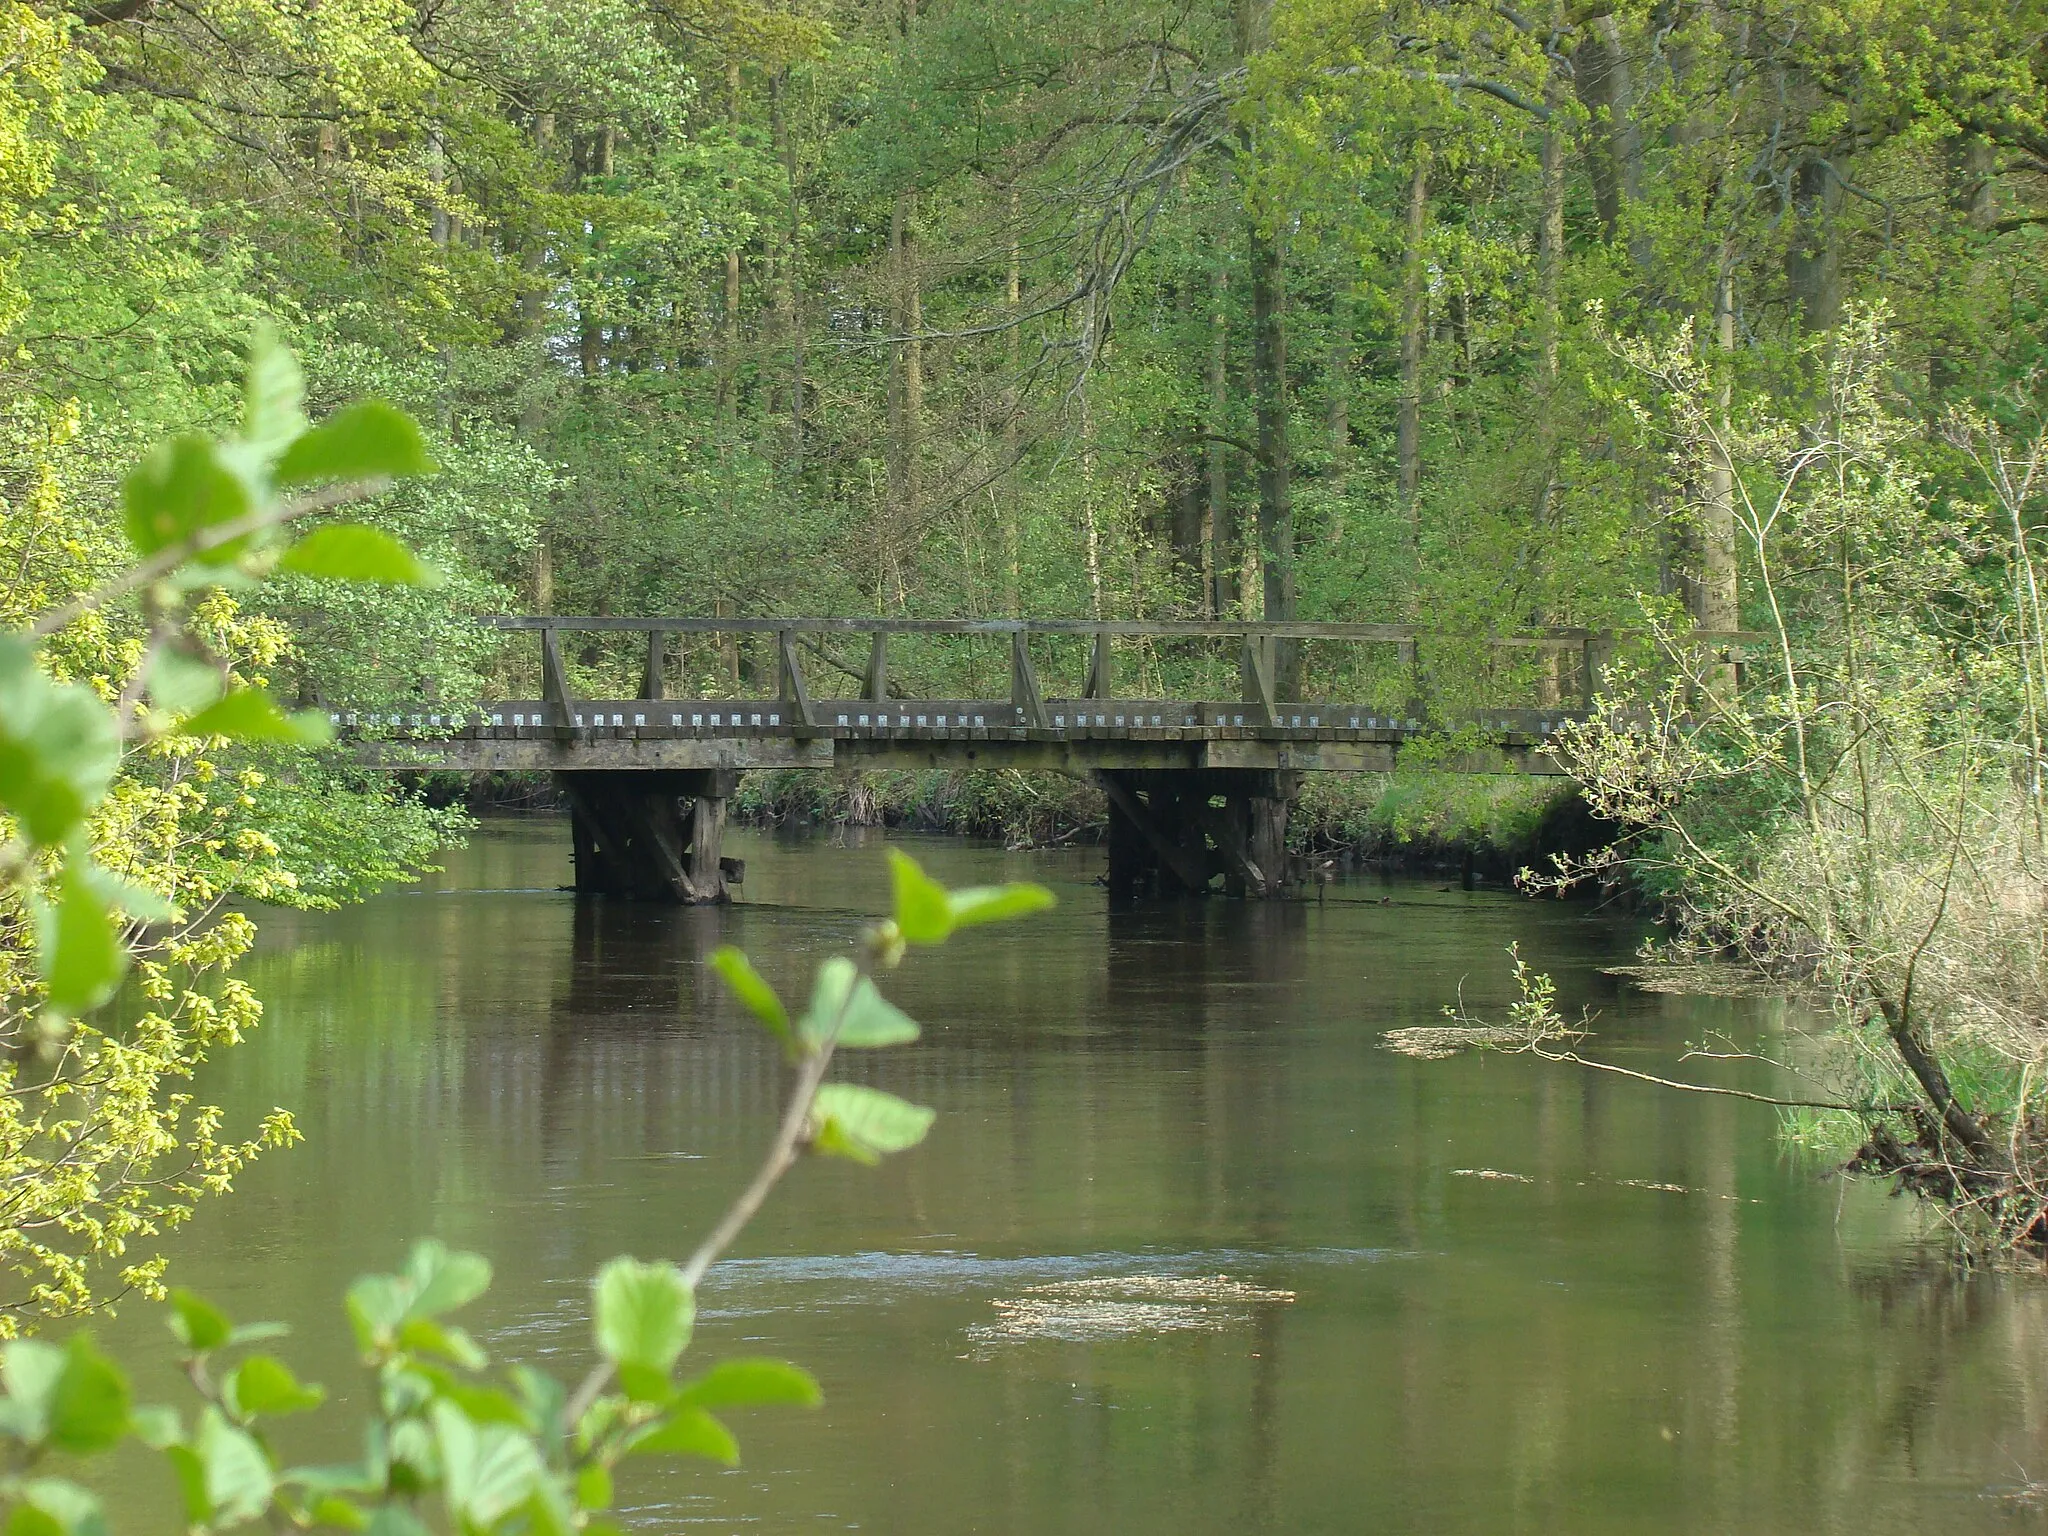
{"x": 31, "y": 1370}
{"x": 197, "y": 1324}
{"x": 354, "y": 552}
{"x": 645, "y": 1313}
{"x": 688, "y": 1432}
{"x": 59, "y": 748}
{"x": 865, "y": 1124}
{"x": 333, "y": 1510}
{"x": 923, "y": 915}
{"x": 376, "y": 1306}
{"x": 79, "y": 953}
{"x": 51, "y": 1506}
{"x": 997, "y": 903}
{"x": 345, "y": 1477}
{"x": 265, "y": 1384}
{"x": 542, "y": 1397}
{"x": 273, "y": 396}
{"x": 156, "y": 1425}
{"x": 549, "y": 1512}
{"x": 869, "y": 1021}
{"x": 747, "y": 985}
{"x": 751, "y": 1382}
{"x": 125, "y": 896}
{"x": 395, "y": 1520}
{"x": 427, "y": 1336}
{"x": 443, "y": 1278}
{"x": 182, "y": 488}
{"x": 27, "y": 1520}
{"x": 365, "y": 441}
{"x": 238, "y": 1479}
{"x": 250, "y": 714}
{"x": 191, "y": 1472}
{"x": 487, "y": 1472}
{"x": 594, "y": 1487}
{"x": 645, "y": 1384}
{"x": 89, "y": 1405}
{"x": 182, "y": 682}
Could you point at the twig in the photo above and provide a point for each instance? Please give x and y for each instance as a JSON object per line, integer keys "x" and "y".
{"x": 1576, "y": 1059}
{"x": 781, "y": 1157}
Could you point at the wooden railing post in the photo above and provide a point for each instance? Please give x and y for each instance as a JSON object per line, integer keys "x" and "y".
{"x": 875, "y": 686}
{"x": 657, "y": 663}
{"x": 554, "y": 682}
{"x": 796, "y": 698}
{"x": 1024, "y": 683}
{"x": 1101, "y": 677}
{"x": 1598, "y": 647}
{"x": 1255, "y": 673}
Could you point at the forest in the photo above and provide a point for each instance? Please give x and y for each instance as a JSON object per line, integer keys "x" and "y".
{"x": 1665, "y": 318}
{"x": 1259, "y": 309}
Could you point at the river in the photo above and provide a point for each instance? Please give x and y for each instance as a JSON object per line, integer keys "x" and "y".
{"x": 1524, "y": 1298}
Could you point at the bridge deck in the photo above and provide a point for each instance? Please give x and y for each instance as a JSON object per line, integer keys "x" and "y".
{"x": 1080, "y": 735}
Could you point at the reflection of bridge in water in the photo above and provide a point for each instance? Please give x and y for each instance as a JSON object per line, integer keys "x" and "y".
{"x": 1198, "y": 789}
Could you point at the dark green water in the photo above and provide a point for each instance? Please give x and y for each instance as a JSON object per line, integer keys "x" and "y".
{"x": 1188, "y": 1091}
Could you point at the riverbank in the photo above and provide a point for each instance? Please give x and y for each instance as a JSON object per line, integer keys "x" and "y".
{"x": 1486, "y": 826}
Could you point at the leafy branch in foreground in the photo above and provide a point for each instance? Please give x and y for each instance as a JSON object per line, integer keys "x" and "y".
{"x": 135, "y": 731}
{"x": 448, "y": 1445}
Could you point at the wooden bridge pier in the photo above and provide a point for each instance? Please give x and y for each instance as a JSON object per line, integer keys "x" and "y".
{"x": 1172, "y": 831}
{"x": 654, "y": 836}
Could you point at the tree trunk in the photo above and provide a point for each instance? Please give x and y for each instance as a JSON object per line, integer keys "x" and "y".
{"x": 437, "y": 176}
{"x": 1414, "y": 335}
{"x": 1813, "y": 260}
{"x": 1614, "y": 151}
{"x": 792, "y": 323}
{"x": 913, "y": 370}
{"x": 729, "y": 321}
{"x": 1718, "y": 607}
{"x": 906, "y": 395}
{"x": 533, "y": 296}
{"x": 1218, "y": 534}
{"x": 1091, "y": 533}
{"x": 592, "y": 157}
{"x": 1013, "y": 404}
{"x": 1276, "y": 497}
{"x": 1337, "y": 380}
{"x": 1550, "y": 247}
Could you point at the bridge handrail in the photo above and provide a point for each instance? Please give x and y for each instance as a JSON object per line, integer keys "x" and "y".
{"x": 1551, "y": 638}
{"x": 1259, "y": 642}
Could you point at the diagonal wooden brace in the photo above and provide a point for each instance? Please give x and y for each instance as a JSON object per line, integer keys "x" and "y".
{"x": 1024, "y": 684}
{"x": 796, "y": 697}
{"x": 1190, "y": 866}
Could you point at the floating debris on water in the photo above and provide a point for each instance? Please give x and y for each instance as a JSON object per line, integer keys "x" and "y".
{"x": 1650, "y": 1184}
{"x": 1087, "y": 1322}
{"x": 1104, "y": 1307}
{"x": 1191, "y": 1288}
{"x": 1435, "y": 1042}
{"x": 1693, "y": 979}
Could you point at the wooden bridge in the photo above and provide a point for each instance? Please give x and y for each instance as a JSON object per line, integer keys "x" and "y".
{"x": 1198, "y": 789}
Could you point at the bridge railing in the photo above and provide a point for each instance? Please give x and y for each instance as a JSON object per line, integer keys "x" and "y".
{"x": 1572, "y": 662}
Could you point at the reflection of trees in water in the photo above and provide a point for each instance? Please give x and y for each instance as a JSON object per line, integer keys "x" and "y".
{"x": 1952, "y": 1329}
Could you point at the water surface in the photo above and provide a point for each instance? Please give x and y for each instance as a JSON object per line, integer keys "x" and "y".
{"x": 1525, "y": 1298}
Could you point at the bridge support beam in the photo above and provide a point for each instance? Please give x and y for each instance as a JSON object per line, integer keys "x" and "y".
{"x": 651, "y": 836}
{"x": 1173, "y": 832}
